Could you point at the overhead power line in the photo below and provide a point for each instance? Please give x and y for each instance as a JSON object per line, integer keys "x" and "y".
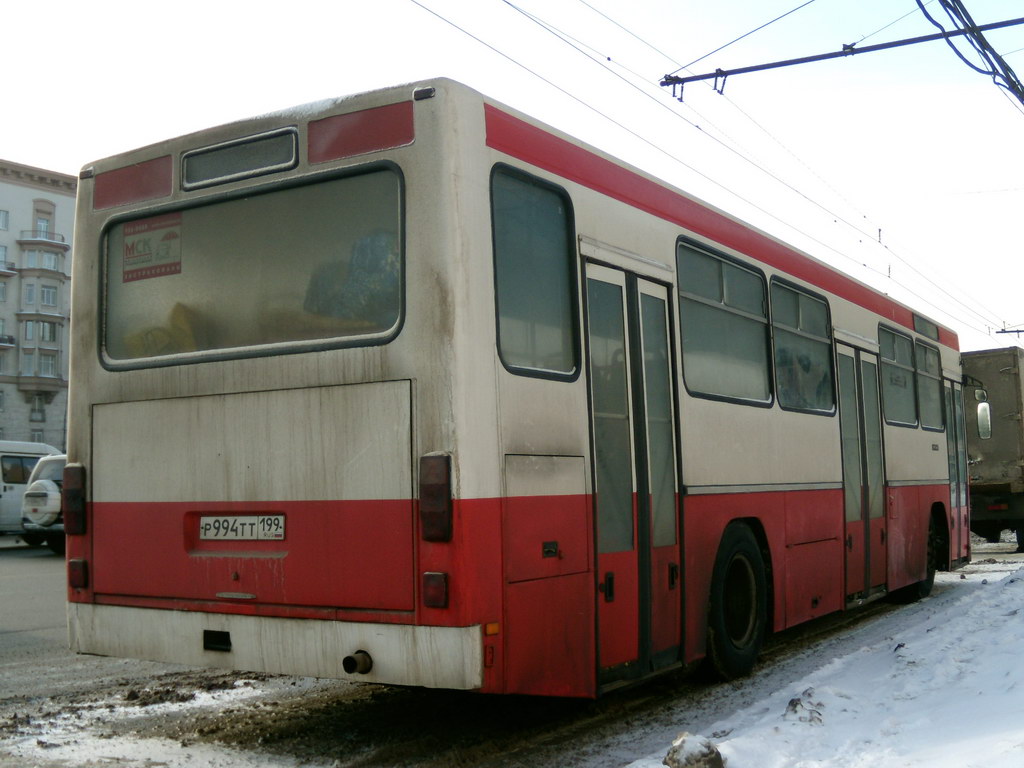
{"x": 579, "y": 45}
{"x": 992, "y": 64}
{"x": 720, "y": 75}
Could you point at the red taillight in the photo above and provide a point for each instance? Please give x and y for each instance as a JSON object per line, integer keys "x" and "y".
{"x": 78, "y": 574}
{"x": 73, "y": 499}
{"x": 435, "y": 590}
{"x": 436, "y": 497}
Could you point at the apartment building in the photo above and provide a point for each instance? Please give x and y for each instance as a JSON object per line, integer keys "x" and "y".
{"x": 37, "y": 213}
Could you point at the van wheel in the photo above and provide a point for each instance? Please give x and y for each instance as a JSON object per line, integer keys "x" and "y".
{"x": 32, "y": 539}
{"x": 738, "y": 606}
{"x": 56, "y": 542}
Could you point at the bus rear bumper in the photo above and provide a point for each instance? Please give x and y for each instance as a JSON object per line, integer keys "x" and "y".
{"x": 401, "y": 654}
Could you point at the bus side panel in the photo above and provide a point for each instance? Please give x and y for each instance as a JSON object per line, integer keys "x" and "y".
{"x": 549, "y": 609}
{"x": 803, "y": 531}
{"x": 550, "y": 637}
{"x": 814, "y": 554}
{"x": 908, "y": 509}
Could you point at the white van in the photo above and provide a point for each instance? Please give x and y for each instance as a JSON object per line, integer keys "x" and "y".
{"x": 16, "y": 463}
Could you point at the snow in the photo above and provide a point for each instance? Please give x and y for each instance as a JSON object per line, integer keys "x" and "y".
{"x": 939, "y": 684}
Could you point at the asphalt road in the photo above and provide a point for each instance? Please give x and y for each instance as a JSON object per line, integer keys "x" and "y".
{"x": 34, "y": 656}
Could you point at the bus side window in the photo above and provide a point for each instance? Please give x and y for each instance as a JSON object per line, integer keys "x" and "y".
{"x": 534, "y": 276}
{"x": 724, "y": 319}
{"x": 803, "y": 351}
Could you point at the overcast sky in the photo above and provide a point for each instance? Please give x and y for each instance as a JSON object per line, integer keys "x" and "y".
{"x": 903, "y": 167}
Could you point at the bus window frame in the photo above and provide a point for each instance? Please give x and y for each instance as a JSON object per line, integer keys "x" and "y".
{"x": 792, "y": 286}
{"x": 572, "y": 253}
{"x": 272, "y": 349}
{"x": 937, "y": 377}
{"x": 769, "y": 350}
{"x": 883, "y": 361}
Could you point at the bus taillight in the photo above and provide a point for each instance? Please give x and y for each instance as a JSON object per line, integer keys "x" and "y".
{"x": 73, "y": 499}
{"x": 436, "y": 497}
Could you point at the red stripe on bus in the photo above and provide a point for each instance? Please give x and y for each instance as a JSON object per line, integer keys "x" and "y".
{"x": 357, "y": 133}
{"x": 133, "y": 183}
{"x": 536, "y": 146}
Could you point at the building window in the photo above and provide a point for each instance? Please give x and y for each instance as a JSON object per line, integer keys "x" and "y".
{"x": 534, "y": 276}
{"x": 50, "y": 260}
{"x": 3, "y": 255}
{"x": 42, "y": 226}
{"x": 37, "y": 436}
{"x": 3, "y": 290}
{"x": 30, "y": 294}
{"x": 48, "y": 295}
{"x": 30, "y": 330}
{"x": 724, "y": 317}
{"x": 2, "y": 394}
{"x": 31, "y": 259}
{"x": 4, "y": 219}
{"x": 897, "y": 352}
{"x": 47, "y": 365}
{"x": 803, "y": 351}
{"x": 28, "y": 363}
{"x": 47, "y": 331}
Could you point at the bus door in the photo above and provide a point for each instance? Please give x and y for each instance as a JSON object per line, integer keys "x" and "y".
{"x": 956, "y": 451}
{"x": 863, "y": 472}
{"x": 635, "y": 479}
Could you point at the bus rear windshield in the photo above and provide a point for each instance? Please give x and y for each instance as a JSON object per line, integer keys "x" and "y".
{"x": 303, "y": 264}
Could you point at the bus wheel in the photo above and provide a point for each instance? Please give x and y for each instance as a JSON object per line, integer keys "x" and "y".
{"x": 738, "y": 608}
{"x": 923, "y": 588}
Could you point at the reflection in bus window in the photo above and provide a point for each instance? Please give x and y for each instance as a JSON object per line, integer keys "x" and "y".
{"x": 320, "y": 261}
{"x": 364, "y": 287}
{"x": 534, "y": 279}
{"x": 803, "y": 351}
{"x": 929, "y": 386}
{"x": 897, "y": 353}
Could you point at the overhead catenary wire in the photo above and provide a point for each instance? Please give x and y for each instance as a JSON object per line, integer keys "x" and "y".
{"x": 988, "y": 320}
{"x": 743, "y": 36}
{"x": 682, "y": 163}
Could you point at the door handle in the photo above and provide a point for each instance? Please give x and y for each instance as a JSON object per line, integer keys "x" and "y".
{"x": 608, "y": 587}
{"x": 673, "y": 575}
{"x": 849, "y": 542}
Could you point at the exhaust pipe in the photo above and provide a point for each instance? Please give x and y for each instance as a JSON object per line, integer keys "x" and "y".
{"x": 359, "y": 663}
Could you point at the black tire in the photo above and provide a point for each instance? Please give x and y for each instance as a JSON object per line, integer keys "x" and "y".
{"x": 56, "y": 542}
{"x": 738, "y": 605}
{"x": 32, "y": 539}
{"x": 923, "y": 588}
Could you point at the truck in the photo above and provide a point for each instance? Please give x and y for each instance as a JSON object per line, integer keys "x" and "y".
{"x": 994, "y": 404}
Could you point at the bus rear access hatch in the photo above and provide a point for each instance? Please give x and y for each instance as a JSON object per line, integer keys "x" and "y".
{"x": 269, "y": 498}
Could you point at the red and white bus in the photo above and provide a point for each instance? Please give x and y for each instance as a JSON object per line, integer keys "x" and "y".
{"x": 409, "y": 388}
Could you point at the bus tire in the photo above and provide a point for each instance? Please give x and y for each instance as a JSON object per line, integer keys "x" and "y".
{"x": 738, "y": 604}
{"x": 921, "y": 589}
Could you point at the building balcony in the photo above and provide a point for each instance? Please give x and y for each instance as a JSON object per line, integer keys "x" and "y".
{"x": 43, "y": 237}
{"x": 41, "y": 384}
{"x": 6, "y": 341}
{"x": 8, "y": 269}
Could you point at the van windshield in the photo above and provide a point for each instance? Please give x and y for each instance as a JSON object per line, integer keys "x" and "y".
{"x": 315, "y": 262}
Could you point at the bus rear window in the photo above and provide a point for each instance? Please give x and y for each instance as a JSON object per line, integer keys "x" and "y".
{"x": 306, "y": 264}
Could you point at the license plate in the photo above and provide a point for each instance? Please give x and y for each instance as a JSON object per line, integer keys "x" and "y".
{"x": 241, "y": 527}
